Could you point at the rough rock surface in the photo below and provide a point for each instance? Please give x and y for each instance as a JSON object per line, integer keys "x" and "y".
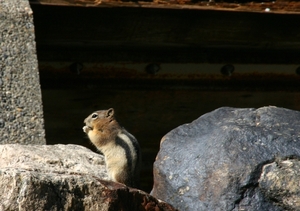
{"x": 215, "y": 162}
{"x": 21, "y": 114}
{"x": 280, "y": 183}
{"x": 64, "y": 177}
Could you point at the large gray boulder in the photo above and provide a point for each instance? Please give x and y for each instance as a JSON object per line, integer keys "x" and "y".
{"x": 215, "y": 162}
{"x": 64, "y": 177}
{"x": 21, "y": 113}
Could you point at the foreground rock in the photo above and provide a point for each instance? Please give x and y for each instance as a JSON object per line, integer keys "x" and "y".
{"x": 280, "y": 183}
{"x": 215, "y": 163}
{"x": 63, "y": 177}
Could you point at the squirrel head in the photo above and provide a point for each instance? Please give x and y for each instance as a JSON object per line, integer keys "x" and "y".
{"x": 99, "y": 118}
{"x": 101, "y": 126}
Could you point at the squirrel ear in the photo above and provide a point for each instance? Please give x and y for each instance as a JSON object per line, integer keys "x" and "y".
{"x": 110, "y": 112}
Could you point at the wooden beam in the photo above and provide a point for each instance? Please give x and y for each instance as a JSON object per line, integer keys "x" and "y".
{"x": 258, "y": 6}
{"x": 163, "y": 35}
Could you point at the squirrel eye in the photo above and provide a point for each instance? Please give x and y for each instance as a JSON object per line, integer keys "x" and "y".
{"x": 94, "y": 116}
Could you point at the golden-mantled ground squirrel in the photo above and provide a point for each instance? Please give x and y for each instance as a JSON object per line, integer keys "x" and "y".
{"x": 121, "y": 150}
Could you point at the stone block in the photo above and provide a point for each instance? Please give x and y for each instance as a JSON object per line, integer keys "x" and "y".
{"x": 64, "y": 177}
{"x": 21, "y": 114}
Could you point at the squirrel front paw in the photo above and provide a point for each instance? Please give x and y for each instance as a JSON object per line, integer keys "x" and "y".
{"x": 86, "y": 129}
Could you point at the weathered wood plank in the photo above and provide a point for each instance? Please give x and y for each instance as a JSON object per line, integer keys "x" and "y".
{"x": 280, "y": 6}
{"x": 145, "y": 34}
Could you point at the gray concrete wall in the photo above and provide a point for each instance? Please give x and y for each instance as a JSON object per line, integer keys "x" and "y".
{"x": 21, "y": 114}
